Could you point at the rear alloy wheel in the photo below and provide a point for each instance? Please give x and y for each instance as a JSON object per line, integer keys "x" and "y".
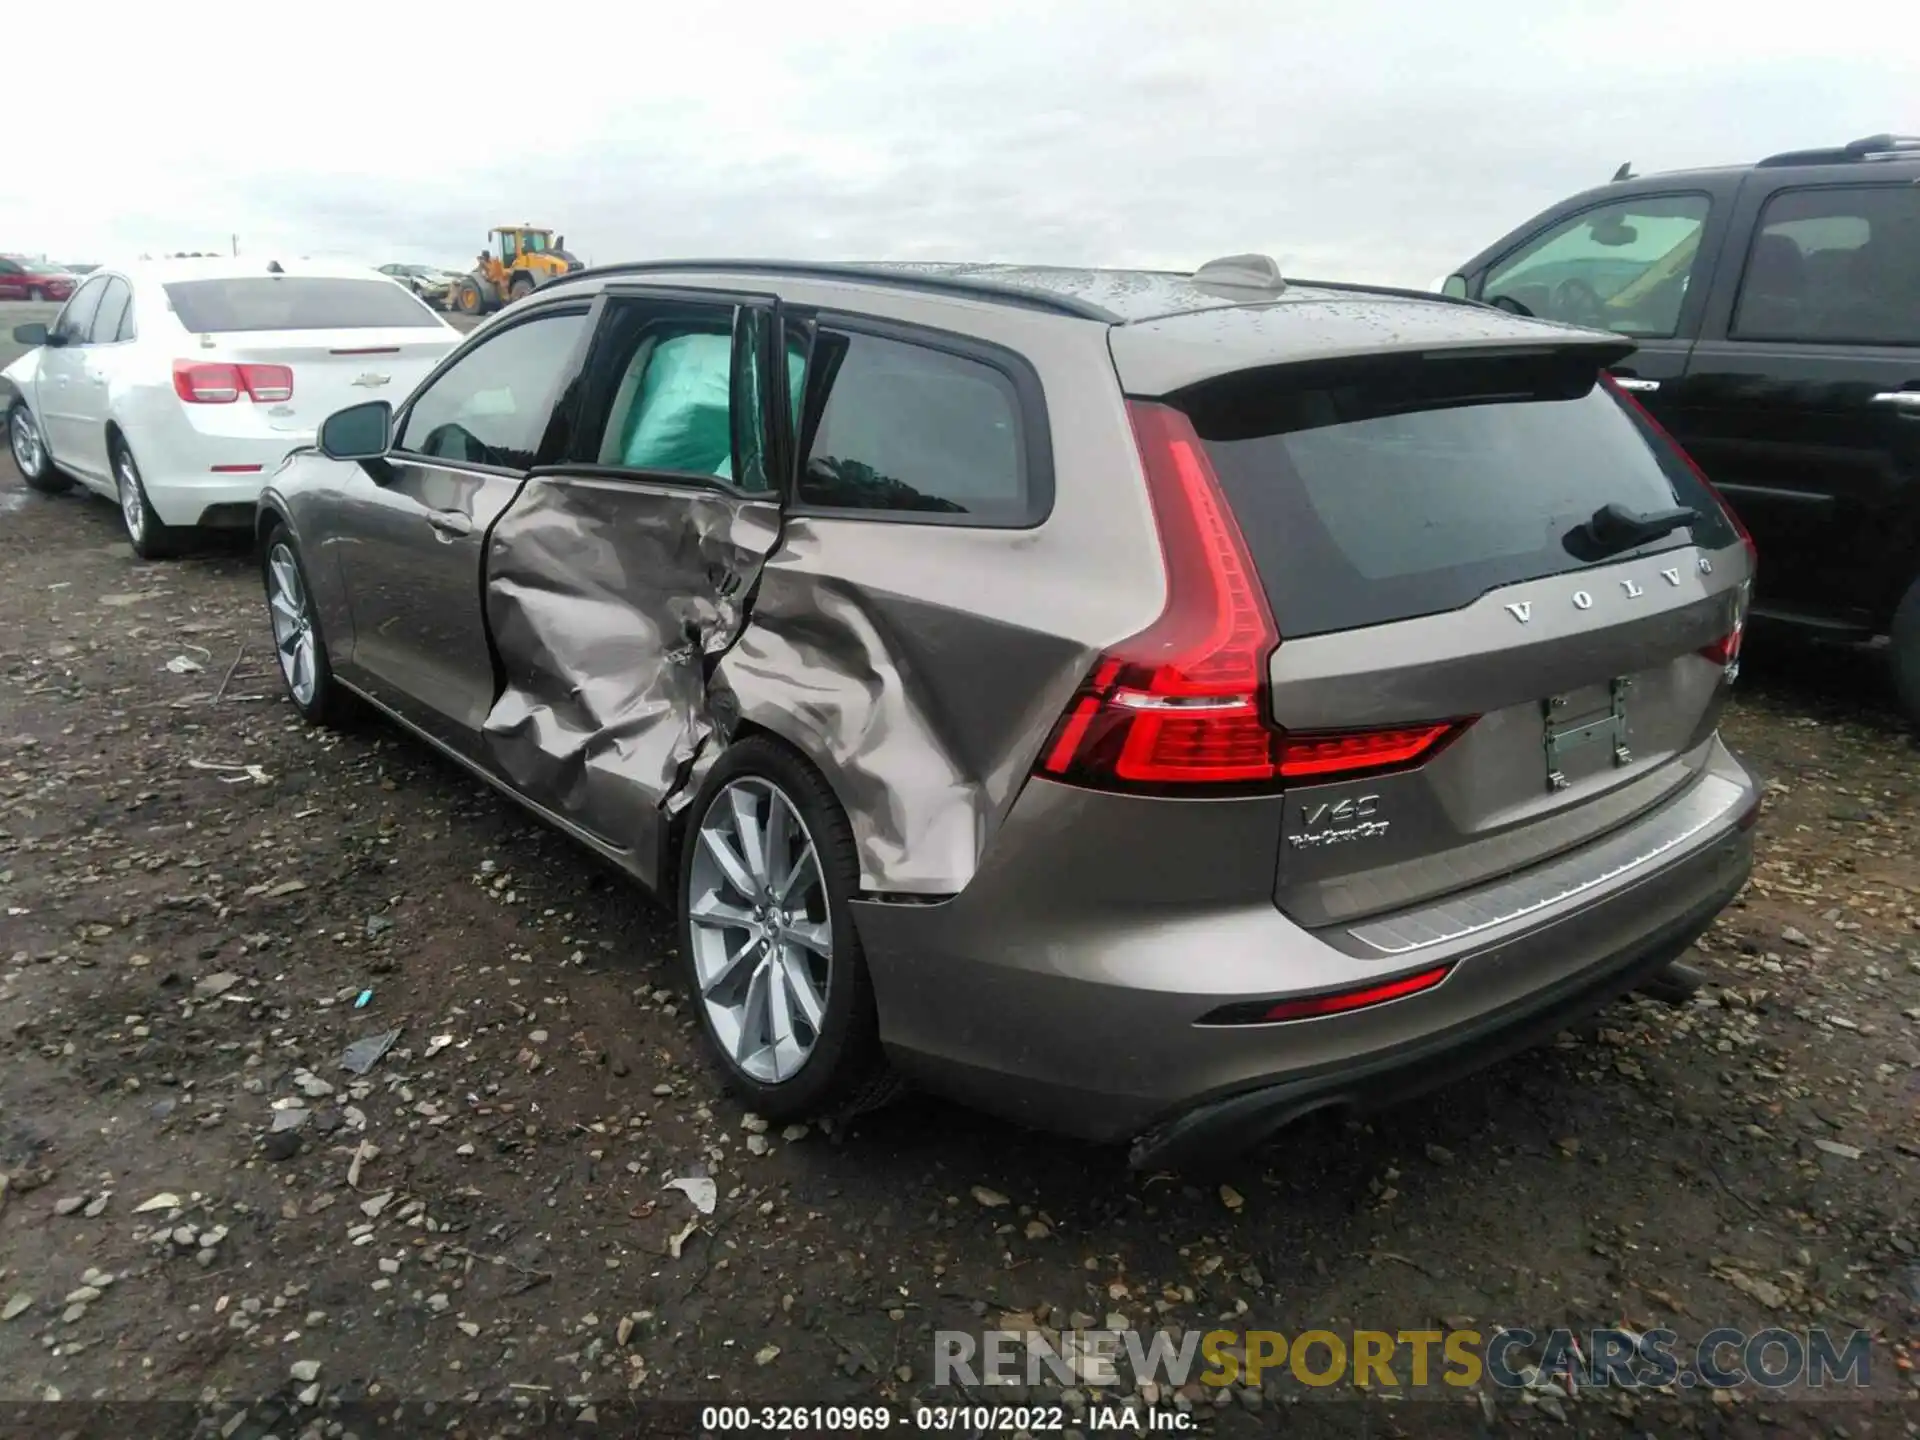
{"x": 30, "y": 452}
{"x": 780, "y": 981}
{"x": 151, "y": 537}
{"x": 298, "y": 644}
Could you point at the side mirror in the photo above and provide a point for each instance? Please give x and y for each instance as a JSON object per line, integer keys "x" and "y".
{"x": 29, "y": 335}
{"x": 1454, "y": 285}
{"x": 359, "y": 432}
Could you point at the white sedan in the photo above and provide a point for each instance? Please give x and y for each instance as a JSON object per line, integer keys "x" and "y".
{"x": 176, "y": 387}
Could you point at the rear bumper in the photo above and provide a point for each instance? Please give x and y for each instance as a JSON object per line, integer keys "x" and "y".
{"x": 1056, "y": 991}
{"x": 1240, "y": 1121}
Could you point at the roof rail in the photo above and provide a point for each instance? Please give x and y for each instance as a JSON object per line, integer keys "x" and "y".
{"x": 1870, "y": 148}
{"x": 960, "y": 287}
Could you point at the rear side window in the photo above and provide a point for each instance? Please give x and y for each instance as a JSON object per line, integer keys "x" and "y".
{"x": 900, "y": 427}
{"x": 293, "y": 302}
{"x": 1836, "y": 265}
{"x": 1375, "y": 497}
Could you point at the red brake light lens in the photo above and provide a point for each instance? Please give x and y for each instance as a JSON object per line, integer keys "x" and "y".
{"x": 1182, "y": 703}
{"x": 1337, "y": 1002}
{"x": 200, "y": 382}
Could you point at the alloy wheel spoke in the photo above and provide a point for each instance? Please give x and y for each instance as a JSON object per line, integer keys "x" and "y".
{"x": 753, "y": 842}
{"x": 729, "y": 966}
{"x": 800, "y": 878}
{"x": 806, "y": 934}
{"x": 711, "y": 910}
{"x": 729, "y": 861}
{"x": 806, "y": 998}
{"x": 778, "y": 842}
{"x": 753, "y": 1015}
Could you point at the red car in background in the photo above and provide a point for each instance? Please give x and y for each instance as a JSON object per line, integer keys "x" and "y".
{"x": 24, "y": 279}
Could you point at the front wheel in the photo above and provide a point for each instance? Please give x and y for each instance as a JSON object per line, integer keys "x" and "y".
{"x": 779, "y": 978}
{"x": 298, "y": 643}
{"x": 151, "y": 537}
{"x": 1903, "y": 653}
{"x": 30, "y": 452}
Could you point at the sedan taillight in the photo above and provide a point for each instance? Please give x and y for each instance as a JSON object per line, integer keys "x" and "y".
{"x": 200, "y": 382}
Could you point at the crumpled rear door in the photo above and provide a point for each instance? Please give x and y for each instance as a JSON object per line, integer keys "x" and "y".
{"x": 615, "y": 580}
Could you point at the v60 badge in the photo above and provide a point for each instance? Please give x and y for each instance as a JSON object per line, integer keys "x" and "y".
{"x": 1338, "y": 822}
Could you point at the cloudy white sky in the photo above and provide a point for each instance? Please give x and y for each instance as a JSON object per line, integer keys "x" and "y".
{"x": 1361, "y": 139}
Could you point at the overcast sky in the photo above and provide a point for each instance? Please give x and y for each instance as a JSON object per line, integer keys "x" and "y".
{"x": 1349, "y": 139}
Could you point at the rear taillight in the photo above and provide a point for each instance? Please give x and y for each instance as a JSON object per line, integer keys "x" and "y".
{"x": 1725, "y": 651}
{"x": 201, "y": 382}
{"x": 1182, "y": 703}
{"x": 1666, "y": 438}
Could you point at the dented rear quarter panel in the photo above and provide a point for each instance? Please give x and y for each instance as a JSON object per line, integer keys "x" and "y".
{"x": 920, "y": 666}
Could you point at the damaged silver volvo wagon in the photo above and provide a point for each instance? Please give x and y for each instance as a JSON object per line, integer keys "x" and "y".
{"x": 1149, "y": 706}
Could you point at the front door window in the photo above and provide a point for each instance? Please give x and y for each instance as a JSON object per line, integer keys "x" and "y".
{"x": 1623, "y": 266}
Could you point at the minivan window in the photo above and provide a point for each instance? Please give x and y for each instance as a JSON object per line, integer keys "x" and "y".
{"x": 1835, "y": 265}
{"x": 293, "y": 302}
{"x": 897, "y": 426}
{"x": 1365, "y": 501}
{"x": 1623, "y": 266}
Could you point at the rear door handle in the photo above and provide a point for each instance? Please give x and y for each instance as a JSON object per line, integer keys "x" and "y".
{"x": 1635, "y": 383}
{"x": 1898, "y": 399}
{"x": 450, "y": 523}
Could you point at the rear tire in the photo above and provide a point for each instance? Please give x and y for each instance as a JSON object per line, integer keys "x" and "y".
{"x": 299, "y": 646}
{"x": 30, "y": 452}
{"x": 830, "y": 1060}
{"x": 522, "y": 286}
{"x": 151, "y": 537}
{"x": 1903, "y": 652}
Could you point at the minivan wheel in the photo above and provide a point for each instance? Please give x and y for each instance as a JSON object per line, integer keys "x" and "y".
{"x": 298, "y": 644}
{"x": 151, "y": 537}
{"x": 1904, "y": 652}
{"x": 779, "y": 980}
{"x": 30, "y": 452}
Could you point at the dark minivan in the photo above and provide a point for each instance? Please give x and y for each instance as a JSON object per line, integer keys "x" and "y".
{"x": 1776, "y": 308}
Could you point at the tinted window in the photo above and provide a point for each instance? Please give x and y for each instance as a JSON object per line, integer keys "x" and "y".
{"x": 1378, "y": 496}
{"x": 76, "y": 321}
{"x": 1833, "y": 266}
{"x": 897, "y": 426}
{"x": 7, "y": 267}
{"x": 492, "y": 406}
{"x": 112, "y": 313}
{"x": 293, "y": 302}
{"x": 1623, "y": 266}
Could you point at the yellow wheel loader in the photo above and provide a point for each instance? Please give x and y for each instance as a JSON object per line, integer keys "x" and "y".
{"x": 518, "y": 260}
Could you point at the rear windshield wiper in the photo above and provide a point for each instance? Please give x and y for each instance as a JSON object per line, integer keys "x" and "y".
{"x": 1614, "y": 528}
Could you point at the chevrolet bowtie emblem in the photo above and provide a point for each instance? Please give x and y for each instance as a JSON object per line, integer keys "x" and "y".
{"x": 372, "y": 379}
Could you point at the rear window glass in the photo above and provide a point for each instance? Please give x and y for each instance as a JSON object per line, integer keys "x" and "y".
{"x": 1363, "y": 503}
{"x": 293, "y": 302}
{"x": 908, "y": 427}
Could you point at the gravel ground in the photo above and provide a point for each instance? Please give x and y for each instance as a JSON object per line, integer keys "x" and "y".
{"x": 198, "y": 888}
